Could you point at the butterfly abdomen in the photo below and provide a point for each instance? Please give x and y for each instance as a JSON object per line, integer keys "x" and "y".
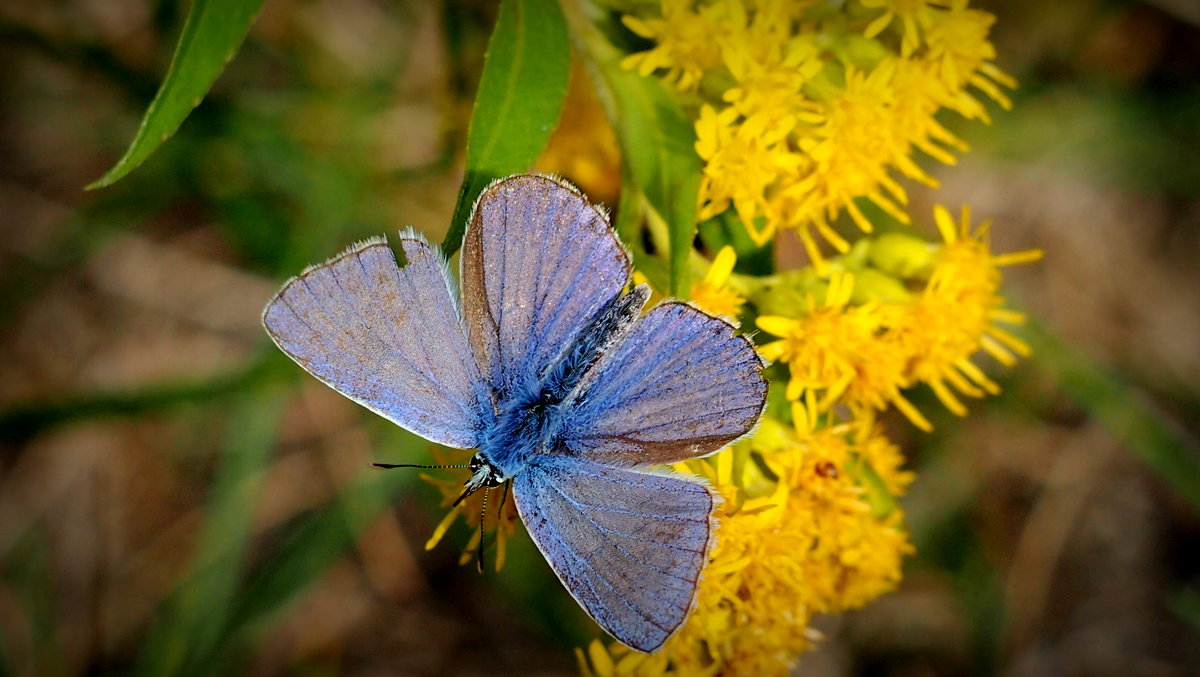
{"x": 562, "y": 378}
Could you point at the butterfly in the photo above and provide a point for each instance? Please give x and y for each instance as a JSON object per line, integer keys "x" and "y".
{"x": 558, "y": 379}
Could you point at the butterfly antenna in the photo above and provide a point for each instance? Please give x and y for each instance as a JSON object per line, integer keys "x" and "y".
{"x": 482, "y": 516}
{"x": 389, "y": 466}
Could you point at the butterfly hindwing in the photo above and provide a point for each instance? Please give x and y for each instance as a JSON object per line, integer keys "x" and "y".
{"x": 387, "y": 337}
{"x": 538, "y": 263}
{"x": 628, "y": 545}
{"x": 679, "y": 385}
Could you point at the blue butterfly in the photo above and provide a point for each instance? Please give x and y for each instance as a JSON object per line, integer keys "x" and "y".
{"x": 558, "y": 379}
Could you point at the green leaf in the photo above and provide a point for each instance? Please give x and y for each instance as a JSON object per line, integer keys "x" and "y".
{"x": 521, "y": 92}
{"x": 211, "y": 36}
{"x": 657, "y": 142}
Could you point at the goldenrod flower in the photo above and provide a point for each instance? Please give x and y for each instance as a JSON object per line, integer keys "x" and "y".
{"x": 805, "y": 111}
{"x": 907, "y": 11}
{"x": 688, "y": 40}
{"x": 742, "y": 160}
{"x": 957, "y": 314}
{"x": 715, "y": 293}
{"x": 853, "y": 142}
{"x": 834, "y": 351}
{"x": 960, "y": 56}
{"x": 884, "y": 457}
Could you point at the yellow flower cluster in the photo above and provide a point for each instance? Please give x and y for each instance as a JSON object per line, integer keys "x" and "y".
{"x": 798, "y": 536}
{"x": 863, "y": 355}
{"x": 805, "y": 107}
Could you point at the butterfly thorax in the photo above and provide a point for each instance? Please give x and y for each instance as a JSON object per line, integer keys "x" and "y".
{"x": 531, "y": 420}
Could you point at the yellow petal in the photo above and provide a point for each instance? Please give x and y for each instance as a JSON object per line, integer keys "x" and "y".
{"x": 945, "y": 224}
{"x": 910, "y": 412}
{"x": 774, "y": 324}
{"x": 722, "y": 267}
{"x": 601, "y": 660}
{"x": 877, "y": 25}
{"x": 440, "y": 531}
{"x": 772, "y": 351}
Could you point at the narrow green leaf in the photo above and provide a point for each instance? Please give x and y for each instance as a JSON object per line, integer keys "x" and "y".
{"x": 211, "y": 36}
{"x": 190, "y": 627}
{"x": 521, "y": 92}
{"x": 657, "y": 141}
{"x": 1154, "y": 439}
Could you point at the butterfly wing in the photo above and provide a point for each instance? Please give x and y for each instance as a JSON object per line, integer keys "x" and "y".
{"x": 679, "y": 385}
{"x": 628, "y": 545}
{"x": 387, "y": 337}
{"x": 538, "y": 263}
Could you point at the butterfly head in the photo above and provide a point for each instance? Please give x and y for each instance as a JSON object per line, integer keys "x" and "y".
{"x": 483, "y": 474}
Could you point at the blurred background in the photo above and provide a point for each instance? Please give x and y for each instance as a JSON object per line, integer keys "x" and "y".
{"x": 178, "y": 498}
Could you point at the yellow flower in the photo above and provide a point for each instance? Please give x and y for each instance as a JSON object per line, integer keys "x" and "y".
{"x": 688, "y": 40}
{"x": 713, "y": 293}
{"x": 884, "y": 457}
{"x": 919, "y": 93}
{"x": 957, "y": 314}
{"x": 500, "y": 518}
{"x": 742, "y": 160}
{"x": 959, "y": 54}
{"x": 907, "y": 11}
{"x": 835, "y": 352}
{"x": 770, "y": 70}
{"x": 809, "y": 542}
{"x": 852, "y": 143}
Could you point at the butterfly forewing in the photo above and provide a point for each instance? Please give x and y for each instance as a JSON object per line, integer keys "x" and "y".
{"x": 389, "y": 338}
{"x": 628, "y": 545}
{"x": 678, "y": 386}
{"x": 538, "y": 263}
